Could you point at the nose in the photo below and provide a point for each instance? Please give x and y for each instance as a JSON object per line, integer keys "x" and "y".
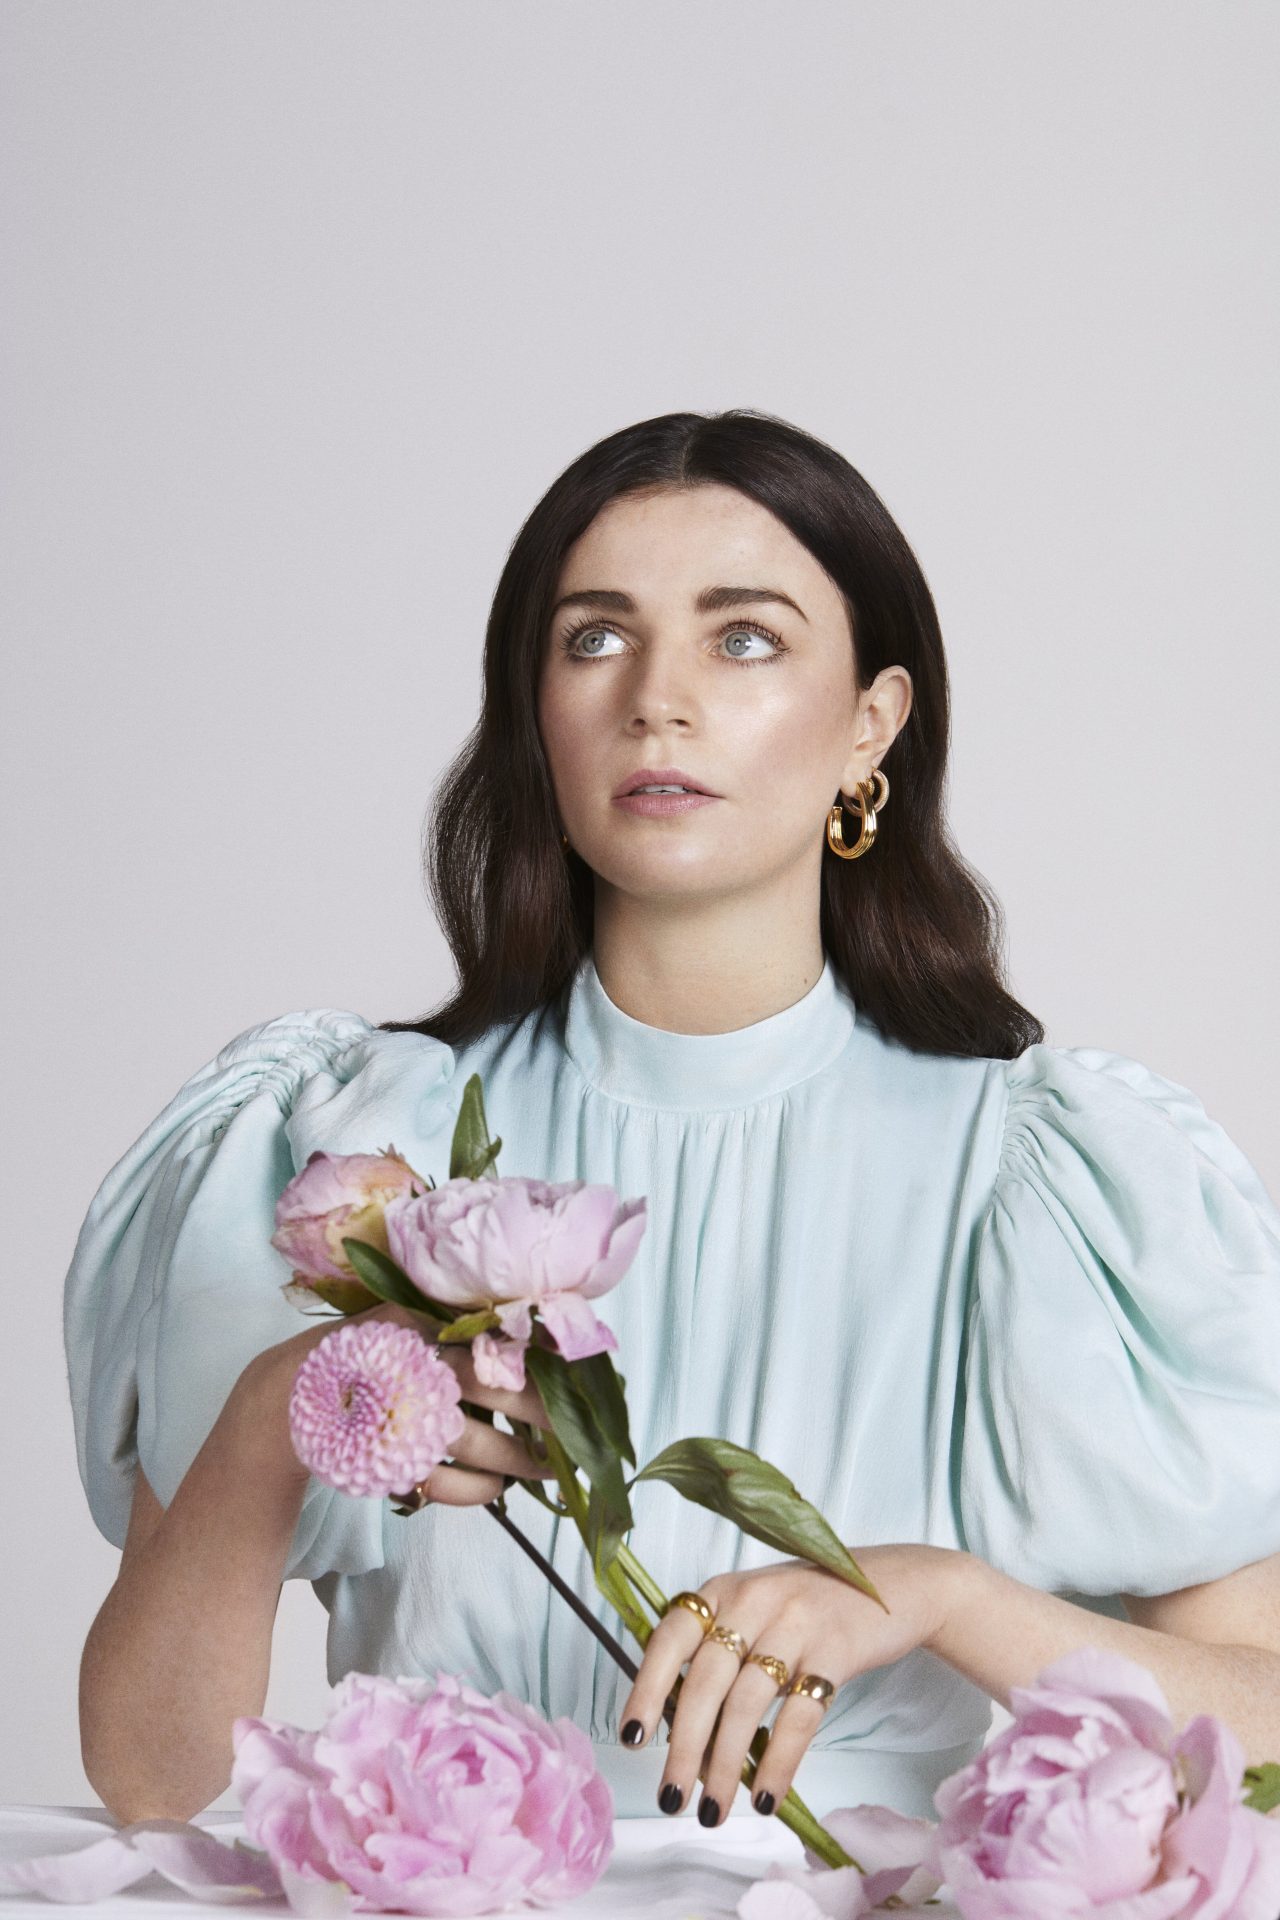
{"x": 659, "y": 690}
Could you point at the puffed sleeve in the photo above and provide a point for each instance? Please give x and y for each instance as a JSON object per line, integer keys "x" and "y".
{"x": 1121, "y": 1425}
{"x": 174, "y": 1286}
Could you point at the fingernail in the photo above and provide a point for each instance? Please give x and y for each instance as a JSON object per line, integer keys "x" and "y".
{"x": 671, "y": 1797}
{"x": 763, "y": 1802}
{"x": 633, "y": 1732}
{"x": 708, "y": 1810}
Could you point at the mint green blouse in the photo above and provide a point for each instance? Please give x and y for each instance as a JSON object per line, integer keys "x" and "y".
{"x": 1027, "y": 1308}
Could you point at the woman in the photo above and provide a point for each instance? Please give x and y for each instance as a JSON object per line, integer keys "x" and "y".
{"x": 1007, "y": 1313}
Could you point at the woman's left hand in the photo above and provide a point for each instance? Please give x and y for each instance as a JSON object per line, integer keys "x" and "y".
{"x": 812, "y": 1620}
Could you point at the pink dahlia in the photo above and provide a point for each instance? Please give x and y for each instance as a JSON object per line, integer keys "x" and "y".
{"x": 425, "y": 1797}
{"x": 374, "y": 1408}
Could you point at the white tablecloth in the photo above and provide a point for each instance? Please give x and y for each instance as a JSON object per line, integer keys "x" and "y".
{"x": 664, "y": 1867}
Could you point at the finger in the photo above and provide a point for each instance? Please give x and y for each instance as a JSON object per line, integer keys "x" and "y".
{"x": 460, "y": 1487}
{"x": 675, "y": 1639}
{"x": 797, "y": 1721}
{"x": 533, "y": 1407}
{"x": 747, "y": 1702}
{"x": 492, "y": 1451}
{"x": 703, "y": 1692}
{"x": 518, "y": 1404}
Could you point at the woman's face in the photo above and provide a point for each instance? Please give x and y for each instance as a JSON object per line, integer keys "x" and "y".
{"x": 755, "y": 699}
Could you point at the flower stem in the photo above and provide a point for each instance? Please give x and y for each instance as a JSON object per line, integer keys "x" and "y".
{"x": 566, "y": 1592}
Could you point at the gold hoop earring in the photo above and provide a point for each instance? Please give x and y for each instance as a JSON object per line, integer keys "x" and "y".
{"x": 867, "y": 799}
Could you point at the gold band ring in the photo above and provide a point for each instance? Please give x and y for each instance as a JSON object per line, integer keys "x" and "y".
{"x": 778, "y": 1670}
{"x": 696, "y": 1605}
{"x": 729, "y": 1637}
{"x": 814, "y": 1686}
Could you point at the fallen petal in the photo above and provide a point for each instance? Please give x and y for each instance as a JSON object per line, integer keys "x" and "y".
{"x": 198, "y": 1862}
{"x": 87, "y": 1873}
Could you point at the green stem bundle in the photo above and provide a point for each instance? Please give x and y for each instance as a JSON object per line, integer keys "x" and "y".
{"x": 625, "y": 1584}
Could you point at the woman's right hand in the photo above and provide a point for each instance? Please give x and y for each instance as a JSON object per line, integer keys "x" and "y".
{"x": 484, "y": 1455}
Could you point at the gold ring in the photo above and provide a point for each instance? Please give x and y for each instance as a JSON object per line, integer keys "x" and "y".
{"x": 696, "y": 1604}
{"x": 814, "y": 1686}
{"x": 731, "y": 1638}
{"x": 777, "y": 1670}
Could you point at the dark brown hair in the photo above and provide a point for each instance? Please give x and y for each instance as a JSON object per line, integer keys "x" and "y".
{"x": 915, "y": 933}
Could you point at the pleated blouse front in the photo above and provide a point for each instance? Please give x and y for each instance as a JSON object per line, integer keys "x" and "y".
{"x": 1028, "y": 1308}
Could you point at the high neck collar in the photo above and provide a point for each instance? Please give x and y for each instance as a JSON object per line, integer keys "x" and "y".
{"x": 653, "y": 1067}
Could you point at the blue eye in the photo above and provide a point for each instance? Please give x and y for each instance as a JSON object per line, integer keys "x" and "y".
{"x": 592, "y": 627}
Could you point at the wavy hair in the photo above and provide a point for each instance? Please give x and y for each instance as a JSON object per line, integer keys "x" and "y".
{"x": 915, "y": 932}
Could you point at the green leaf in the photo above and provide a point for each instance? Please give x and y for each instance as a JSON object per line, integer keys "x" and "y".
{"x": 737, "y": 1483}
{"x": 575, "y": 1426}
{"x": 570, "y": 1416}
{"x": 608, "y": 1518}
{"x": 384, "y": 1278}
{"x": 472, "y": 1153}
{"x": 1264, "y": 1781}
{"x": 468, "y": 1325}
{"x": 348, "y": 1296}
{"x": 603, "y": 1387}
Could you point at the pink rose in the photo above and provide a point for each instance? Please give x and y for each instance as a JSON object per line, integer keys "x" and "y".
{"x": 426, "y": 1797}
{"x": 338, "y": 1196}
{"x": 515, "y": 1244}
{"x": 1075, "y": 1810}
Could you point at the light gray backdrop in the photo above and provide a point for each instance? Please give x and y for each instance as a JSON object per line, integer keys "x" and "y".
{"x": 306, "y": 305}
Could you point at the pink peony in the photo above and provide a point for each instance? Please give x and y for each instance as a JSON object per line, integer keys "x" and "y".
{"x": 374, "y": 1408}
{"x": 1232, "y": 1852}
{"x": 425, "y": 1798}
{"x": 337, "y": 1196}
{"x": 1075, "y": 1809}
{"x": 515, "y": 1244}
{"x": 890, "y": 1849}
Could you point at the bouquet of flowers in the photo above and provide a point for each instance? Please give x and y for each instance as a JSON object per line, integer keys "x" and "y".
{"x": 509, "y": 1266}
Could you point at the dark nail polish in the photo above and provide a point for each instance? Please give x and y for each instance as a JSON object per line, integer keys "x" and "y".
{"x": 708, "y": 1810}
{"x": 671, "y": 1797}
{"x": 633, "y": 1732}
{"x": 763, "y": 1803}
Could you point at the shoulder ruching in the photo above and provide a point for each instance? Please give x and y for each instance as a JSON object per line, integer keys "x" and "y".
{"x": 174, "y": 1286}
{"x": 1121, "y": 1429}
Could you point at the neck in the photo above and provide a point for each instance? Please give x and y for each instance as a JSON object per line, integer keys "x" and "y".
{"x": 693, "y": 965}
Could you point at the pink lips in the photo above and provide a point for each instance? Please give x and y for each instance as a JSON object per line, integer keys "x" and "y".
{"x": 660, "y": 777}
{"x": 658, "y": 803}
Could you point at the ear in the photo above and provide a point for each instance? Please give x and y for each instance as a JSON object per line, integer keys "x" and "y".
{"x": 882, "y": 714}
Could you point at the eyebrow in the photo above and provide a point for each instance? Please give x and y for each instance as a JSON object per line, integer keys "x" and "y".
{"x": 710, "y": 600}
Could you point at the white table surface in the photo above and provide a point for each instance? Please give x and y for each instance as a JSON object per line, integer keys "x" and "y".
{"x": 665, "y": 1867}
